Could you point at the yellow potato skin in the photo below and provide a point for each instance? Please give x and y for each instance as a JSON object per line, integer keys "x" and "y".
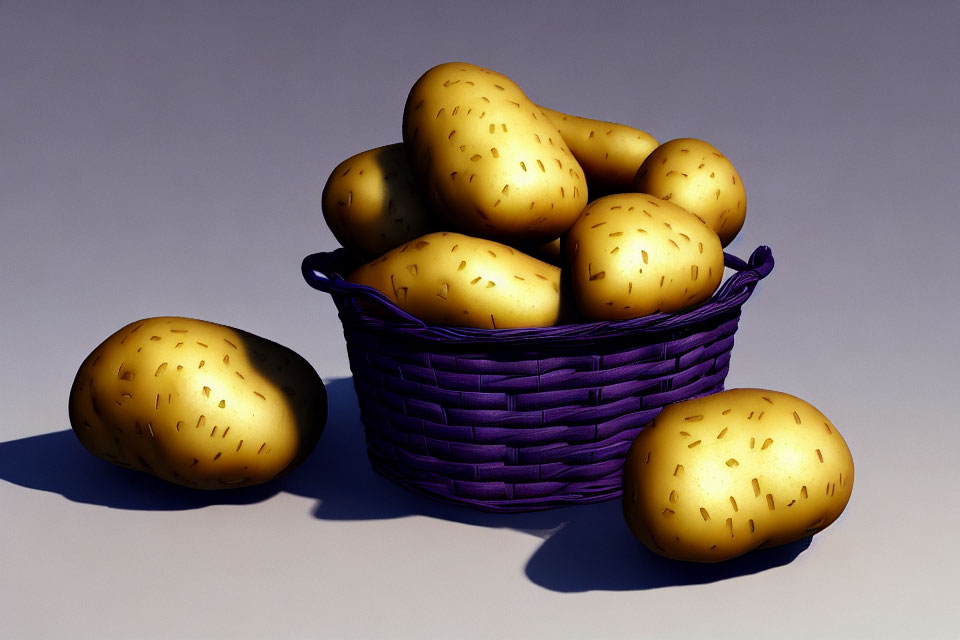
{"x": 487, "y": 158}
{"x": 632, "y": 255}
{"x": 197, "y": 403}
{"x": 372, "y": 204}
{"x": 695, "y": 175}
{"x": 713, "y": 478}
{"x": 609, "y": 153}
{"x": 453, "y": 279}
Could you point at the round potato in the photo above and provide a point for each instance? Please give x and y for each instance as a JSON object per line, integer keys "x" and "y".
{"x": 372, "y": 204}
{"x": 695, "y": 175}
{"x": 197, "y": 403}
{"x": 632, "y": 255}
{"x": 487, "y": 158}
{"x": 715, "y": 477}
{"x": 609, "y": 153}
{"x": 458, "y": 280}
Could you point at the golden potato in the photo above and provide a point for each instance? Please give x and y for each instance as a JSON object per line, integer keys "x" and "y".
{"x": 453, "y": 279}
{"x": 197, "y": 403}
{"x": 713, "y": 478}
{"x": 609, "y": 153}
{"x": 632, "y": 255}
{"x": 372, "y": 204}
{"x": 695, "y": 175}
{"x": 487, "y": 158}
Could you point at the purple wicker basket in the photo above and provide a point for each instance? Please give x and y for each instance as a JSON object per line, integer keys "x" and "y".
{"x": 523, "y": 419}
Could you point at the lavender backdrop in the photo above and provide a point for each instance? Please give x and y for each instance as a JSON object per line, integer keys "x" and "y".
{"x": 167, "y": 158}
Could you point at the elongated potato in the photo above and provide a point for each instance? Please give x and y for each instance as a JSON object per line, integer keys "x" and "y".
{"x": 197, "y": 403}
{"x": 695, "y": 175}
{"x": 453, "y": 279}
{"x": 372, "y": 204}
{"x": 609, "y": 153}
{"x": 487, "y": 158}
{"x": 715, "y": 477}
{"x": 632, "y": 255}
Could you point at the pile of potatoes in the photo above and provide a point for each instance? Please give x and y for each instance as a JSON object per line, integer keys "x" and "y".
{"x": 492, "y": 201}
{"x": 476, "y": 219}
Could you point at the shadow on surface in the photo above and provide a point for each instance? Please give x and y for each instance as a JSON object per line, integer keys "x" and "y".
{"x": 585, "y": 548}
{"x": 339, "y": 477}
{"x": 595, "y": 551}
{"x": 57, "y": 462}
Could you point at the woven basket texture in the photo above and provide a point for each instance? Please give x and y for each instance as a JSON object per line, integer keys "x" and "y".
{"x": 523, "y": 419}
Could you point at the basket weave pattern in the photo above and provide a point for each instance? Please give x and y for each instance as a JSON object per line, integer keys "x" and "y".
{"x": 523, "y": 419}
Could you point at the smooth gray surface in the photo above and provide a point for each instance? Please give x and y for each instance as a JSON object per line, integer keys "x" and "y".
{"x": 167, "y": 159}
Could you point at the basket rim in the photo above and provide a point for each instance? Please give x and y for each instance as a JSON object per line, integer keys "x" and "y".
{"x": 323, "y": 271}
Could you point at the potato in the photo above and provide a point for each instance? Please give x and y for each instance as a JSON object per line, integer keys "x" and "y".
{"x": 372, "y": 204}
{"x": 453, "y": 279}
{"x": 487, "y": 158}
{"x": 609, "y": 153}
{"x": 695, "y": 175}
{"x": 197, "y": 403}
{"x": 715, "y": 477}
{"x": 632, "y": 255}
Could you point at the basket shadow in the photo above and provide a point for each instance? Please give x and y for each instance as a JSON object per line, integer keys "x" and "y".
{"x": 340, "y": 478}
{"x": 56, "y": 462}
{"x": 585, "y": 547}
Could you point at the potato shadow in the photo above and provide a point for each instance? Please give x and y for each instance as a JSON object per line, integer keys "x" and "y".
{"x": 337, "y": 475}
{"x": 56, "y": 462}
{"x": 585, "y": 547}
{"x": 595, "y": 551}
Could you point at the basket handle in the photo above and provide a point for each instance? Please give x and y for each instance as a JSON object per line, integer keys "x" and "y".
{"x": 758, "y": 267}
{"x": 312, "y": 269}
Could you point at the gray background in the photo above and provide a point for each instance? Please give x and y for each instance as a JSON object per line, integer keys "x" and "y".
{"x": 167, "y": 159}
